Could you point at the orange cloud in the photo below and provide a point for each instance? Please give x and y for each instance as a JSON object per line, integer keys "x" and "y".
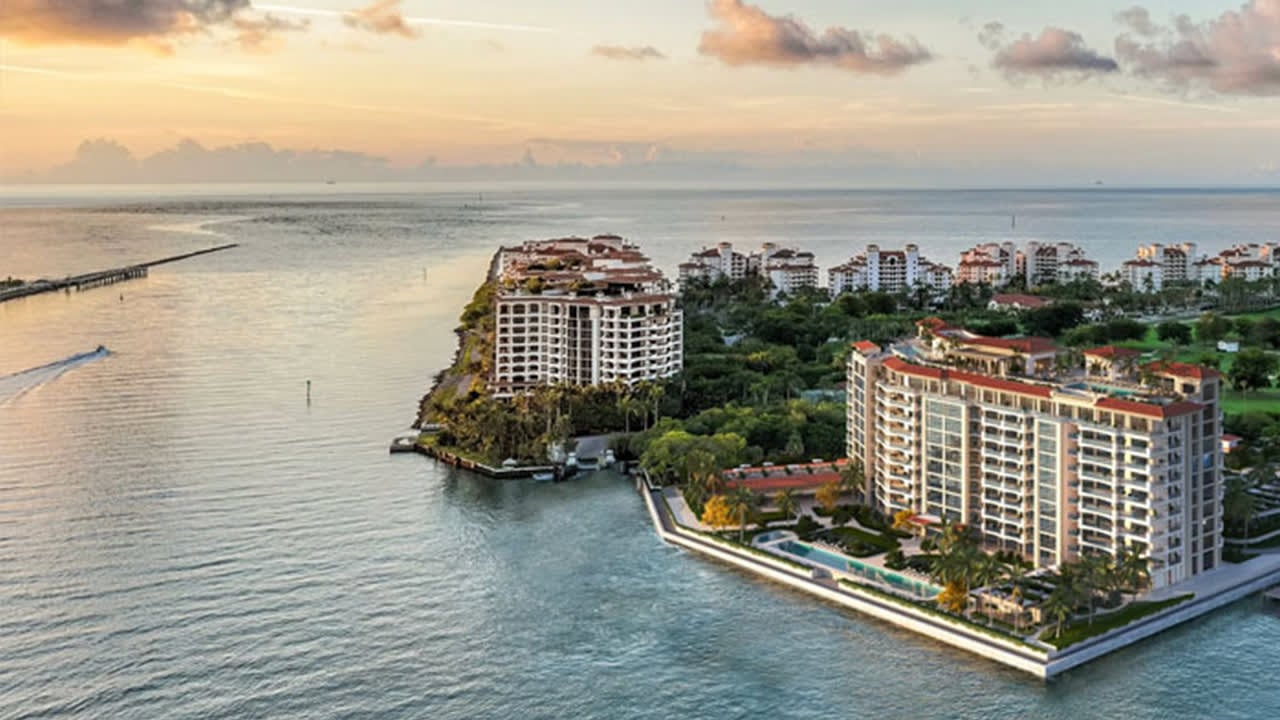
{"x": 618, "y": 52}
{"x": 382, "y": 17}
{"x": 749, "y": 36}
{"x": 146, "y": 23}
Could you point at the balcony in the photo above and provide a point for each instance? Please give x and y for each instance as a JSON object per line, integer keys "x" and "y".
{"x": 1107, "y": 446}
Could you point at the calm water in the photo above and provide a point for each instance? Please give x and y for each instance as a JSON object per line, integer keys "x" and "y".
{"x": 182, "y": 535}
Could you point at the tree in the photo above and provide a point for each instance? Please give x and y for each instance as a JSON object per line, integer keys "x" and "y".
{"x": 902, "y": 520}
{"x": 717, "y": 512}
{"x": 787, "y": 503}
{"x": 853, "y": 478}
{"x": 954, "y": 597}
{"x": 828, "y": 496}
{"x": 1091, "y": 576}
{"x": 742, "y": 502}
{"x": 1174, "y": 332}
{"x": 989, "y": 570}
{"x": 1238, "y": 505}
{"x": 1059, "y": 605}
{"x": 1053, "y": 320}
{"x": 1133, "y": 567}
{"x": 1211, "y": 328}
{"x": 1251, "y": 370}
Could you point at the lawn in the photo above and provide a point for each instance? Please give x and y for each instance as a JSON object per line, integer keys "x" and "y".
{"x": 1082, "y": 630}
{"x": 1235, "y": 402}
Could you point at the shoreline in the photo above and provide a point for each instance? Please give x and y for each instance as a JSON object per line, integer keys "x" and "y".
{"x": 1044, "y": 662}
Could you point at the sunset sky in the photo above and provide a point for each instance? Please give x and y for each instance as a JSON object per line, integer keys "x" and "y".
{"x": 1092, "y": 87}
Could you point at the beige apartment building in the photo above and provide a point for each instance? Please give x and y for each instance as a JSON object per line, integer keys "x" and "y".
{"x": 582, "y": 312}
{"x": 1045, "y": 461}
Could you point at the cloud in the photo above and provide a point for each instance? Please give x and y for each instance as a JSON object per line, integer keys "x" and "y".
{"x": 383, "y": 17}
{"x": 1237, "y": 52}
{"x": 747, "y": 35}
{"x": 149, "y": 23}
{"x": 1054, "y": 53}
{"x": 263, "y": 34}
{"x": 618, "y": 52}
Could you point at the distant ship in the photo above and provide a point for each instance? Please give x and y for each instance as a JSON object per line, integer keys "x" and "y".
{"x": 330, "y": 182}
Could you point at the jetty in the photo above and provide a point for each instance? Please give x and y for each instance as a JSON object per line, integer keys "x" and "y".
{"x": 100, "y": 277}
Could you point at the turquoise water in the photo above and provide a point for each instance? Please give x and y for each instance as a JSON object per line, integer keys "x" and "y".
{"x": 183, "y": 536}
{"x": 850, "y": 565}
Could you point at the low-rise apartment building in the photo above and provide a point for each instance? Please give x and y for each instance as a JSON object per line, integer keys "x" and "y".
{"x": 1047, "y": 462}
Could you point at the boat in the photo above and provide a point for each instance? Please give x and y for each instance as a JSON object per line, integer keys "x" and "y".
{"x": 544, "y": 477}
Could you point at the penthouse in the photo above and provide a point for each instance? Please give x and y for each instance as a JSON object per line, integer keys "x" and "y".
{"x": 583, "y": 312}
{"x": 1046, "y": 461}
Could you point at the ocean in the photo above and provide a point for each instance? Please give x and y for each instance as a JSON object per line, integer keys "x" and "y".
{"x": 183, "y": 535}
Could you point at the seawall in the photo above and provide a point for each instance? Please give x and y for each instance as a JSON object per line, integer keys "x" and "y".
{"x": 1043, "y": 662}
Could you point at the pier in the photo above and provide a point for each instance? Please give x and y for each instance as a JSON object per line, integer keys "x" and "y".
{"x": 101, "y": 277}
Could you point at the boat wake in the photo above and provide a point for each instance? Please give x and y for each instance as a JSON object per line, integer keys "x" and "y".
{"x": 15, "y": 384}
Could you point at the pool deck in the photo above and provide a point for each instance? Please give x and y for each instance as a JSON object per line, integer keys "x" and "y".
{"x": 1212, "y": 590}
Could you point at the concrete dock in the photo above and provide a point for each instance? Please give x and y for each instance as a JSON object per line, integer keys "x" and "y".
{"x": 100, "y": 277}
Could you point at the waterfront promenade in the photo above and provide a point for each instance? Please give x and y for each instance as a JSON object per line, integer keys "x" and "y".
{"x": 1212, "y": 590}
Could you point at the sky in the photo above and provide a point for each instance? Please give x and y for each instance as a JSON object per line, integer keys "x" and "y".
{"x": 916, "y": 92}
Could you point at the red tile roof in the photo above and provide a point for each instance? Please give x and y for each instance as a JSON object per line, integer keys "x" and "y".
{"x": 866, "y": 346}
{"x": 933, "y": 322}
{"x": 1160, "y": 412}
{"x": 1029, "y": 345}
{"x": 1184, "y": 370}
{"x": 897, "y": 364}
{"x": 784, "y": 482}
{"x": 1111, "y": 351}
{"x": 994, "y": 383}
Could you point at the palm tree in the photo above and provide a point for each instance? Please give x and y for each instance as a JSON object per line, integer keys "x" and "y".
{"x": 989, "y": 570}
{"x": 1059, "y": 606}
{"x": 742, "y": 502}
{"x": 786, "y": 502}
{"x": 1133, "y": 568}
{"x": 853, "y": 479}
{"x": 1092, "y": 577}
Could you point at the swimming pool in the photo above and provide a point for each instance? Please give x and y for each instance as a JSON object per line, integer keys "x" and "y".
{"x": 1105, "y": 389}
{"x": 892, "y": 580}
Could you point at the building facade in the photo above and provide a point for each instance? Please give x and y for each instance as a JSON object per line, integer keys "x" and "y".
{"x": 582, "y": 312}
{"x": 1056, "y": 263}
{"x": 1044, "y": 463}
{"x": 787, "y": 269}
{"x": 888, "y": 271}
{"x": 1143, "y": 275}
{"x": 992, "y": 264}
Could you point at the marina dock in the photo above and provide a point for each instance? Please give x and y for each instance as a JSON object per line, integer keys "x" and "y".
{"x": 100, "y": 277}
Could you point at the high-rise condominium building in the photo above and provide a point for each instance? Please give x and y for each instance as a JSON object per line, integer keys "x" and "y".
{"x": 1045, "y": 461}
{"x": 582, "y": 312}
{"x": 787, "y": 269}
{"x": 888, "y": 271}
{"x": 1057, "y": 263}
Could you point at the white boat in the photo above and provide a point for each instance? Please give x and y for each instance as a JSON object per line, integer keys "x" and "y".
{"x": 544, "y": 477}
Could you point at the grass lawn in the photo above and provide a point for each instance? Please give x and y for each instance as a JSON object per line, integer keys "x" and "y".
{"x": 1082, "y": 630}
{"x": 1234, "y": 402}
